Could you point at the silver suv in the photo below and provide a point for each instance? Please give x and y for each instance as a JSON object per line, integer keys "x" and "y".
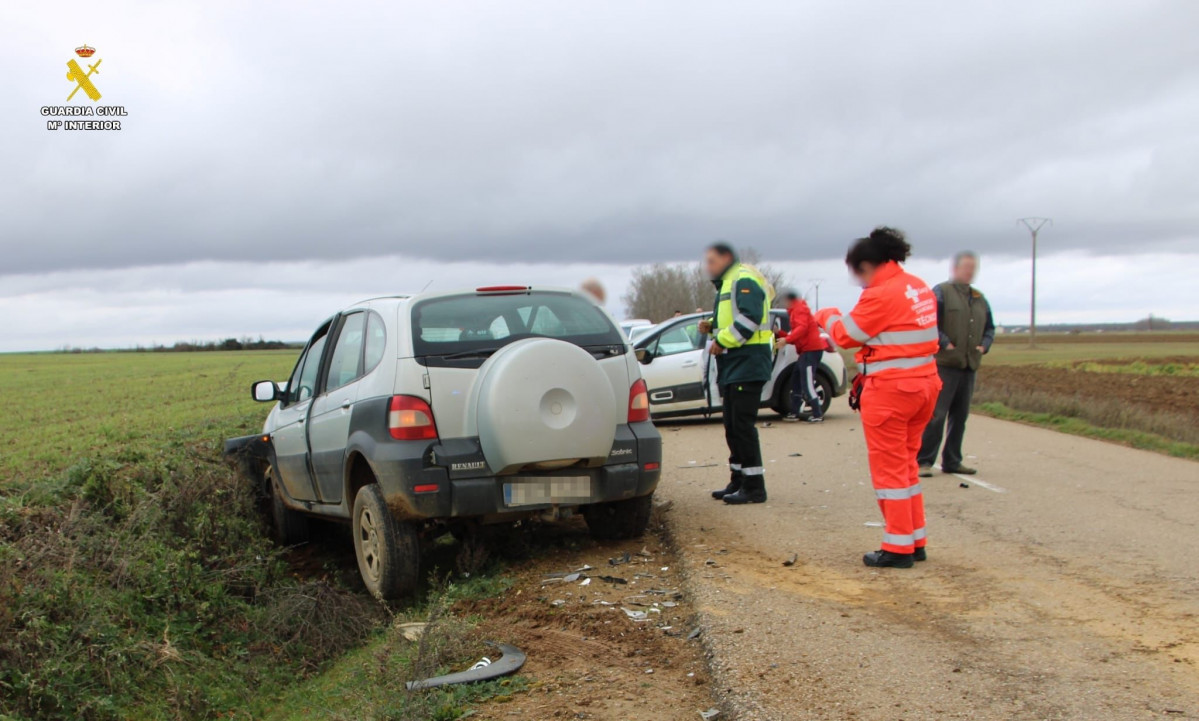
{"x": 411, "y": 416}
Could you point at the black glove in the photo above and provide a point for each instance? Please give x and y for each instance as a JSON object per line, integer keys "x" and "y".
{"x": 855, "y": 392}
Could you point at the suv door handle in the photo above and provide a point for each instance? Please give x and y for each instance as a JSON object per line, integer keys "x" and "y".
{"x": 689, "y": 364}
{"x": 345, "y": 404}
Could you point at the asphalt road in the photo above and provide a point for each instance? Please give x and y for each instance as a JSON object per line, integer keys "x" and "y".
{"x": 1063, "y": 583}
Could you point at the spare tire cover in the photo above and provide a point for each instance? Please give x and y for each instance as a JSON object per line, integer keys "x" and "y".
{"x": 542, "y": 399}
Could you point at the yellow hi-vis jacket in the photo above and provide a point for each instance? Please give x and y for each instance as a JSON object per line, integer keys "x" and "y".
{"x": 742, "y": 326}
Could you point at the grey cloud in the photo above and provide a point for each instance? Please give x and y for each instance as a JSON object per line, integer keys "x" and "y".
{"x": 618, "y": 132}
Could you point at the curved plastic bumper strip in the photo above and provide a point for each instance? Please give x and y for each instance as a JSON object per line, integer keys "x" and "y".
{"x": 506, "y": 665}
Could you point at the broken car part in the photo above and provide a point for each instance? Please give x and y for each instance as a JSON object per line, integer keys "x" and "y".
{"x": 508, "y": 664}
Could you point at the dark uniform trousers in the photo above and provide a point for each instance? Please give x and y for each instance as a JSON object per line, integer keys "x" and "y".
{"x": 949, "y": 418}
{"x": 740, "y": 412}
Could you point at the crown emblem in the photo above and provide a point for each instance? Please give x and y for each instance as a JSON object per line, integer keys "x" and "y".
{"x": 85, "y": 51}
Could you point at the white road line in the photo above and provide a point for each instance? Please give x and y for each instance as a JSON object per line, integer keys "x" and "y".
{"x": 980, "y": 482}
{"x": 977, "y": 481}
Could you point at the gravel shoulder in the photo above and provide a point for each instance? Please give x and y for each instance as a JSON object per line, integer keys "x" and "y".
{"x": 1061, "y": 583}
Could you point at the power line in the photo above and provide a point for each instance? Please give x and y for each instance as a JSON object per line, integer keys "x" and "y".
{"x": 816, "y": 287}
{"x": 1034, "y": 226}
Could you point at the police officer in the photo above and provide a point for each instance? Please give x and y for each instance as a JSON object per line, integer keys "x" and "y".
{"x": 741, "y": 342}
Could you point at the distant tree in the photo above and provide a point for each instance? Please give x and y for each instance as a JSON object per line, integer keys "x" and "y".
{"x": 1152, "y": 323}
{"x": 658, "y": 290}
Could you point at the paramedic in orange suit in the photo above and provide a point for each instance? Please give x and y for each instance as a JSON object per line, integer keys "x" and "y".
{"x": 895, "y": 326}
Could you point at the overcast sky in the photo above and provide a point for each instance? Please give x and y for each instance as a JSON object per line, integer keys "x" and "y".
{"x": 282, "y": 159}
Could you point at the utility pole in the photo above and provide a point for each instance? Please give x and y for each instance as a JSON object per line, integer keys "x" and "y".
{"x": 816, "y": 287}
{"x": 1034, "y": 226}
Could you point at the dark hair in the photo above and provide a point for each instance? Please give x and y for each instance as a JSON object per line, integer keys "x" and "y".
{"x": 883, "y": 244}
{"x": 722, "y": 248}
{"x": 791, "y": 294}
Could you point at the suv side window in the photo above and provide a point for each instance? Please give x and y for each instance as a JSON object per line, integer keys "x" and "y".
{"x": 345, "y": 365}
{"x": 376, "y": 342}
{"x": 303, "y": 387}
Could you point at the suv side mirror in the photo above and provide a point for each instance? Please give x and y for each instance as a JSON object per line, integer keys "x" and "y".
{"x": 643, "y": 356}
{"x": 266, "y": 391}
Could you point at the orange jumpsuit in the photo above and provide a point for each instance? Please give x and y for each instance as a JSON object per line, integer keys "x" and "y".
{"x": 895, "y": 325}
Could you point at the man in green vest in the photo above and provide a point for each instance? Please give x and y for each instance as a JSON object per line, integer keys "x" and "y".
{"x": 742, "y": 343}
{"x": 967, "y": 330}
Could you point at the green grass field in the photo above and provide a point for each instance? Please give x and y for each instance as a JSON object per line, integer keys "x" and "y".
{"x": 137, "y": 580}
{"x": 63, "y": 407}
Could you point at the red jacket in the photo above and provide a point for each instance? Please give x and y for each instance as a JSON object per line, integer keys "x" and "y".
{"x": 894, "y": 324}
{"x": 805, "y": 333}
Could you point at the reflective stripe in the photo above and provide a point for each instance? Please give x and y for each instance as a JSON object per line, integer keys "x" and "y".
{"x": 904, "y": 337}
{"x": 853, "y": 330}
{"x": 745, "y": 322}
{"x": 734, "y": 466}
{"x": 920, "y": 534}
{"x": 753, "y": 471}
{"x": 732, "y": 329}
{"x": 897, "y": 540}
{"x": 723, "y": 296}
{"x": 885, "y": 365}
{"x": 897, "y": 494}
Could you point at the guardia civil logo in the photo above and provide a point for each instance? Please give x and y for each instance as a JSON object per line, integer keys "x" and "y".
{"x": 81, "y": 79}
{"x": 85, "y": 81}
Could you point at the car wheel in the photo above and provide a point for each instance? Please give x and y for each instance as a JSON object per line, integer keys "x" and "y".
{"x": 388, "y": 551}
{"x": 619, "y": 519}
{"x": 782, "y": 394}
{"x": 290, "y": 526}
{"x": 824, "y": 389}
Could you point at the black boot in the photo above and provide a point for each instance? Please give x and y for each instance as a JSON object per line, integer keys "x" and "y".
{"x": 887, "y": 559}
{"x": 753, "y": 490}
{"x": 734, "y": 485}
{"x": 920, "y": 554}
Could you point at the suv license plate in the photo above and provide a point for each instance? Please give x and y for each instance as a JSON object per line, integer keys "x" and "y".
{"x": 540, "y": 491}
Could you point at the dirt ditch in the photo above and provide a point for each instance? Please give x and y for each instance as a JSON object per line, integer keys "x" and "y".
{"x": 607, "y": 626}
{"x": 608, "y": 630}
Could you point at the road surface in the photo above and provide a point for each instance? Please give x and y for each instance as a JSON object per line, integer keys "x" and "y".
{"x": 1063, "y": 583}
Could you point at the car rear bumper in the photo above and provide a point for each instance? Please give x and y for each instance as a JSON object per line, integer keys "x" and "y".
{"x": 449, "y": 479}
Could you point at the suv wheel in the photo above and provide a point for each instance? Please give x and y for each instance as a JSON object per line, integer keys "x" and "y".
{"x": 388, "y": 551}
{"x": 619, "y": 519}
{"x": 290, "y": 526}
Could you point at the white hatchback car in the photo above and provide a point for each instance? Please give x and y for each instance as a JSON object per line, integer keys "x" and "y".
{"x": 435, "y": 412}
{"x": 681, "y": 376}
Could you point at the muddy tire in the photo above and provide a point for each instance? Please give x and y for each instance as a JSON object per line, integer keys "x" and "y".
{"x": 289, "y": 527}
{"x": 388, "y": 551}
{"x": 619, "y": 519}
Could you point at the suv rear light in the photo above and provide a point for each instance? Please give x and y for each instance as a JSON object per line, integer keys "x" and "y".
{"x": 638, "y": 402}
{"x": 410, "y": 419}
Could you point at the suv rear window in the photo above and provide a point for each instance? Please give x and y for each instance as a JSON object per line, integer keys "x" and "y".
{"x": 473, "y": 326}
